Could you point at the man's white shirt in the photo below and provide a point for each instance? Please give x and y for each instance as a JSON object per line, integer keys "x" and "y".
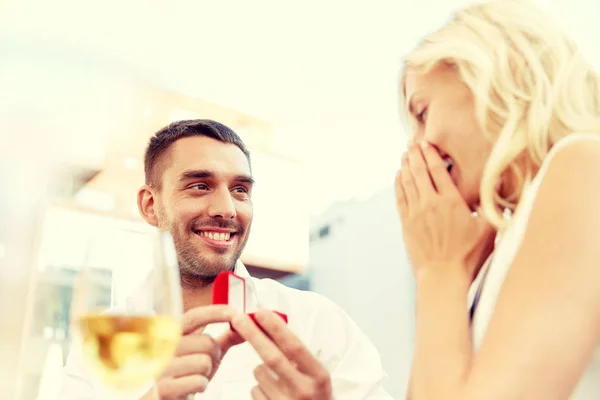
{"x": 351, "y": 359}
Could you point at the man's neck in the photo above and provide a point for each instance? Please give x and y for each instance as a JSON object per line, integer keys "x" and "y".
{"x": 195, "y": 294}
{"x": 196, "y": 297}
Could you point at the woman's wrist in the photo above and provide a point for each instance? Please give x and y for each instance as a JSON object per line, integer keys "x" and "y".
{"x": 441, "y": 290}
{"x": 443, "y": 275}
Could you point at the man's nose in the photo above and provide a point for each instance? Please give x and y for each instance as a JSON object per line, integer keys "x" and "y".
{"x": 221, "y": 204}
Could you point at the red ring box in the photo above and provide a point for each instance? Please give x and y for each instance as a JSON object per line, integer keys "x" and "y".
{"x": 231, "y": 289}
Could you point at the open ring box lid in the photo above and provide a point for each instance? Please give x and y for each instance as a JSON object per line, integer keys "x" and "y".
{"x": 231, "y": 289}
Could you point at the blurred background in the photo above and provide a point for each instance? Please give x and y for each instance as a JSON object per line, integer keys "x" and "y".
{"x": 310, "y": 86}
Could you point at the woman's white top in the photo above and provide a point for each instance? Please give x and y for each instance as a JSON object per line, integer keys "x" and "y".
{"x": 489, "y": 280}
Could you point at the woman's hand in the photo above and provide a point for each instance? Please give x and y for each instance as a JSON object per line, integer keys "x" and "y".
{"x": 439, "y": 229}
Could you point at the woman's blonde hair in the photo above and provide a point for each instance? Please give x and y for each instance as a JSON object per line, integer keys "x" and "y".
{"x": 531, "y": 87}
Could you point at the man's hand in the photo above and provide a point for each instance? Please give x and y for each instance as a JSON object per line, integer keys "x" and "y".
{"x": 198, "y": 356}
{"x": 290, "y": 371}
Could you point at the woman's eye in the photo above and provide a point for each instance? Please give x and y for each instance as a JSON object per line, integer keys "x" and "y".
{"x": 422, "y": 115}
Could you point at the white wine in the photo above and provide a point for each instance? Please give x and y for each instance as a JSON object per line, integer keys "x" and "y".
{"x": 128, "y": 351}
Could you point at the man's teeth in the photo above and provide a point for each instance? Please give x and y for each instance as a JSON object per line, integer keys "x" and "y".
{"x": 220, "y": 237}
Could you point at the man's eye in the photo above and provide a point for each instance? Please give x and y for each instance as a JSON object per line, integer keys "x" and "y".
{"x": 200, "y": 186}
{"x": 240, "y": 189}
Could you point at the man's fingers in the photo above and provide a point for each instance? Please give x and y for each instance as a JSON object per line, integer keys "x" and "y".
{"x": 296, "y": 371}
{"x": 289, "y": 343}
{"x": 266, "y": 349}
{"x": 257, "y": 394}
{"x": 224, "y": 343}
{"x": 196, "y": 344}
{"x": 199, "y": 317}
{"x": 268, "y": 382}
{"x": 228, "y": 340}
{"x": 176, "y": 388}
{"x": 191, "y": 364}
{"x": 198, "y": 355}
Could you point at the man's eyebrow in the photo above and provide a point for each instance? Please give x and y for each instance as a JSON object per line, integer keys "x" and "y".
{"x": 244, "y": 179}
{"x": 206, "y": 174}
{"x": 196, "y": 174}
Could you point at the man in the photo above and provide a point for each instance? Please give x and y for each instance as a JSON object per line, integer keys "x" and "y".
{"x": 199, "y": 188}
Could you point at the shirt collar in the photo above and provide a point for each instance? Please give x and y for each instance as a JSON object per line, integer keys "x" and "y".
{"x": 252, "y": 301}
{"x": 135, "y": 301}
{"x": 241, "y": 270}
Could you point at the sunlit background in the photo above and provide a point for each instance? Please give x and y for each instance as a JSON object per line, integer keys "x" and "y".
{"x": 310, "y": 86}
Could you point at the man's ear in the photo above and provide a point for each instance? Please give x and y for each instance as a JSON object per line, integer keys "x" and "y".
{"x": 145, "y": 201}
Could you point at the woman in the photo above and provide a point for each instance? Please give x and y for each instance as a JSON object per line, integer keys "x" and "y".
{"x": 505, "y": 167}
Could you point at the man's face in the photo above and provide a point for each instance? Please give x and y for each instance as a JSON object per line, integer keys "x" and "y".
{"x": 205, "y": 203}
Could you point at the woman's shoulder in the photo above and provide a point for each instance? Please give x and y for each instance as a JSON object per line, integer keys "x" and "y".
{"x": 572, "y": 154}
{"x": 571, "y": 167}
{"x": 574, "y": 144}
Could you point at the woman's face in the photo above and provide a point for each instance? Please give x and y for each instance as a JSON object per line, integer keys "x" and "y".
{"x": 443, "y": 112}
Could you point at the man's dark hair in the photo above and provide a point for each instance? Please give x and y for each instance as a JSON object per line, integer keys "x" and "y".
{"x": 164, "y": 138}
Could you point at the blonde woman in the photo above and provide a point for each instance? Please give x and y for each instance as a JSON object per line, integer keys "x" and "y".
{"x": 499, "y": 198}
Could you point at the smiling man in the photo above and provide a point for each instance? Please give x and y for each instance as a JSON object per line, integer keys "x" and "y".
{"x": 199, "y": 188}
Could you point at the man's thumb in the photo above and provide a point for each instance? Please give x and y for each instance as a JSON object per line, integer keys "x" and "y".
{"x": 228, "y": 340}
{"x": 225, "y": 342}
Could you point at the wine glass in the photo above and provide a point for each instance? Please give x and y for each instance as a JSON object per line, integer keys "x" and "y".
{"x": 126, "y": 346}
